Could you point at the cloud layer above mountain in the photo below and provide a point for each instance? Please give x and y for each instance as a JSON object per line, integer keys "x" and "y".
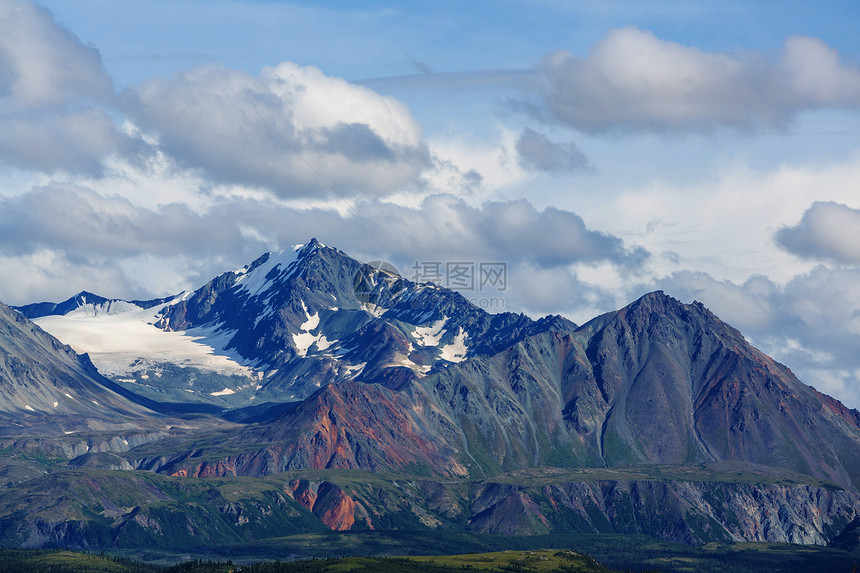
{"x": 595, "y": 169}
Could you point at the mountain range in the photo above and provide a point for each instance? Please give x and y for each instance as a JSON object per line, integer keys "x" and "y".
{"x": 355, "y": 398}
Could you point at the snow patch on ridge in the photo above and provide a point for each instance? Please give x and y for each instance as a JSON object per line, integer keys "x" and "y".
{"x": 373, "y": 309}
{"x": 323, "y": 343}
{"x": 304, "y": 340}
{"x": 255, "y": 281}
{"x": 224, "y": 392}
{"x": 109, "y": 307}
{"x": 430, "y": 335}
{"x": 456, "y": 351}
{"x": 355, "y": 369}
{"x": 404, "y": 360}
{"x": 312, "y": 321}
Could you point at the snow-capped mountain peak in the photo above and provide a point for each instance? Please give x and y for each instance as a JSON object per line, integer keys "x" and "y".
{"x": 298, "y": 319}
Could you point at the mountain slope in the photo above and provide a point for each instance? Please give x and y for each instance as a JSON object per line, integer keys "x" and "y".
{"x": 315, "y": 316}
{"x": 655, "y": 382}
{"x": 351, "y": 368}
{"x": 282, "y": 327}
{"x": 97, "y": 508}
{"x": 665, "y": 382}
{"x": 658, "y": 382}
{"x": 40, "y": 376}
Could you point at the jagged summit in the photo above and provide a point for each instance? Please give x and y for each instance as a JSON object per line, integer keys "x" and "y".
{"x": 660, "y": 303}
{"x": 658, "y": 310}
{"x": 311, "y": 246}
{"x": 294, "y": 320}
{"x": 313, "y": 315}
{"x": 49, "y": 308}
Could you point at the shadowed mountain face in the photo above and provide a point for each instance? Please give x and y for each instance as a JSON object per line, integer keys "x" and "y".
{"x": 316, "y": 316}
{"x": 658, "y": 382}
{"x": 41, "y": 378}
{"x": 664, "y": 382}
{"x": 349, "y": 425}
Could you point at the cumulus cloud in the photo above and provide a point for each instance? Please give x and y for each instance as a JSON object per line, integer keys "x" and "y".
{"x": 43, "y": 65}
{"x": 82, "y": 221}
{"x": 633, "y": 81}
{"x": 287, "y": 129}
{"x": 552, "y": 237}
{"x": 291, "y": 129}
{"x": 73, "y": 141}
{"x": 88, "y": 225}
{"x": 827, "y": 231}
{"x": 53, "y": 96}
{"x": 50, "y": 275}
{"x": 537, "y": 153}
{"x": 513, "y": 232}
{"x": 751, "y": 306}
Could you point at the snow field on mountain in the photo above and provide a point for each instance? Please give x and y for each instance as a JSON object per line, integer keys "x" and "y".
{"x": 115, "y": 341}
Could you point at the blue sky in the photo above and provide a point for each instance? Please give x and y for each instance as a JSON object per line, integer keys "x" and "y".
{"x": 600, "y": 149}
{"x": 357, "y": 40}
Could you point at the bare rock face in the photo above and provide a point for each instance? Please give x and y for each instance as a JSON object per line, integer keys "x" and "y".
{"x": 664, "y": 382}
{"x": 849, "y": 538}
{"x": 331, "y": 504}
{"x": 684, "y": 511}
{"x": 688, "y": 512}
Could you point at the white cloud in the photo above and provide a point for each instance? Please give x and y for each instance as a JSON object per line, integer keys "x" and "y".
{"x": 74, "y": 140}
{"x": 749, "y": 307}
{"x": 495, "y": 162}
{"x": 53, "y": 95}
{"x": 827, "y": 231}
{"x": 816, "y": 76}
{"x": 633, "y": 81}
{"x": 725, "y": 225}
{"x": 43, "y": 65}
{"x": 48, "y": 274}
{"x": 552, "y": 237}
{"x": 287, "y": 129}
{"x": 538, "y": 153}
